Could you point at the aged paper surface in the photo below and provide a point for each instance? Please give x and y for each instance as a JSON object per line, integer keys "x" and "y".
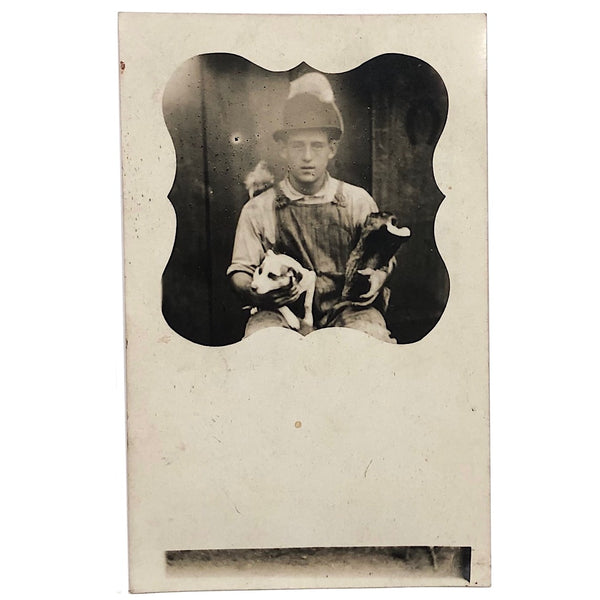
{"x": 333, "y": 440}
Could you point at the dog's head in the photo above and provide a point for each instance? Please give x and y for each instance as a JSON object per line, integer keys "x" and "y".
{"x": 275, "y": 272}
{"x": 385, "y": 221}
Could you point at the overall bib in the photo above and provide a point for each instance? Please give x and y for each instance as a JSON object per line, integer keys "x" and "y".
{"x": 320, "y": 237}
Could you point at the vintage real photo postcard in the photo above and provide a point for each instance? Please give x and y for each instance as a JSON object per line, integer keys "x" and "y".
{"x": 305, "y": 247}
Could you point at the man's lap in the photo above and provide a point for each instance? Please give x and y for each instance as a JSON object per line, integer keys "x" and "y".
{"x": 366, "y": 319}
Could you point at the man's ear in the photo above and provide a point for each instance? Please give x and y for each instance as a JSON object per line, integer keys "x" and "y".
{"x": 282, "y": 149}
{"x": 333, "y": 146}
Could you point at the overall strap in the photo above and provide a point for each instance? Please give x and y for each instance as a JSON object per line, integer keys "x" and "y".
{"x": 339, "y": 197}
{"x": 281, "y": 200}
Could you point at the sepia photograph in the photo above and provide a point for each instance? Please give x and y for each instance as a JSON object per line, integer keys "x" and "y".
{"x": 304, "y": 199}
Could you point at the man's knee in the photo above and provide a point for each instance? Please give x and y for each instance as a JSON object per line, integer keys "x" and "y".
{"x": 368, "y": 320}
{"x": 264, "y": 319}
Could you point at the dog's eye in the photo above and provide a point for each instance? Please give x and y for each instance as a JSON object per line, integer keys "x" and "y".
{"x": 272, "y": 276}
{"x": 259, "y": 270}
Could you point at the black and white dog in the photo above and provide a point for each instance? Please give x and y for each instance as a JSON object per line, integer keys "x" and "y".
{"x": 278, "y": 271}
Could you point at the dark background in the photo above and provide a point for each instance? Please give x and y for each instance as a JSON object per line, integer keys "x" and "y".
{"x": 221, "y": 110}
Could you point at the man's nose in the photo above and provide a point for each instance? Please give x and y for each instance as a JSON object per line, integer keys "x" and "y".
{"x": 307, "y": 154}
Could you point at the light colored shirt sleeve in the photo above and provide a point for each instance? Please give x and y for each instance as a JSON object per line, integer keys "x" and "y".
{"x": 362, "y": 206}
{"x": 247, "y": 247}
{"x": 254, "y": 234}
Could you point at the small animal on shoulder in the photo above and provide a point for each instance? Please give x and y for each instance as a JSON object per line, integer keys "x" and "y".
{"x": 259, "y": 179}
{"x": 279, "y": 271}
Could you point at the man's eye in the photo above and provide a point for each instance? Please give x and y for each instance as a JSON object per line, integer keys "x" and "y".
{"x": 318, "y": 146}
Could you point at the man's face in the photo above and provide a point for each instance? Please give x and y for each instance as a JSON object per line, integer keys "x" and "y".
{"x": 307, "y": 153}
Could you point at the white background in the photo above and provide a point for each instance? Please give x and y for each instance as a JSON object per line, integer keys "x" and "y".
{"x": 63, "y": 501}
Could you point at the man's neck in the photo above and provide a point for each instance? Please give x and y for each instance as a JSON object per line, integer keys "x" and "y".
{"x": 308, "y": 189}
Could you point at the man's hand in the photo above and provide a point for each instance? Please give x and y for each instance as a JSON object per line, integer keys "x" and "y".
{"x": 242, "y": 284}
{"x": 377, "y": 279}
{"x": 275, "y": 298}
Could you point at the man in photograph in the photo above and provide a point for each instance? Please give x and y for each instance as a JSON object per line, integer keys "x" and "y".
{"x": 311, "y": 217}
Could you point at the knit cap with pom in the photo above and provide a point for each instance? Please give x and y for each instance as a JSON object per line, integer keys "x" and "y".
{"x": 311, "y": 105}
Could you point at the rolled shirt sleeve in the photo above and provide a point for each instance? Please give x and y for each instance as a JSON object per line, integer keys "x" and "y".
{"x": 362, "y": 206}
{"x": 254, "y": 234}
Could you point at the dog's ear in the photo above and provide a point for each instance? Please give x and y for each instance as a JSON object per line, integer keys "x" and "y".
{"x": 294, "y": 275}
